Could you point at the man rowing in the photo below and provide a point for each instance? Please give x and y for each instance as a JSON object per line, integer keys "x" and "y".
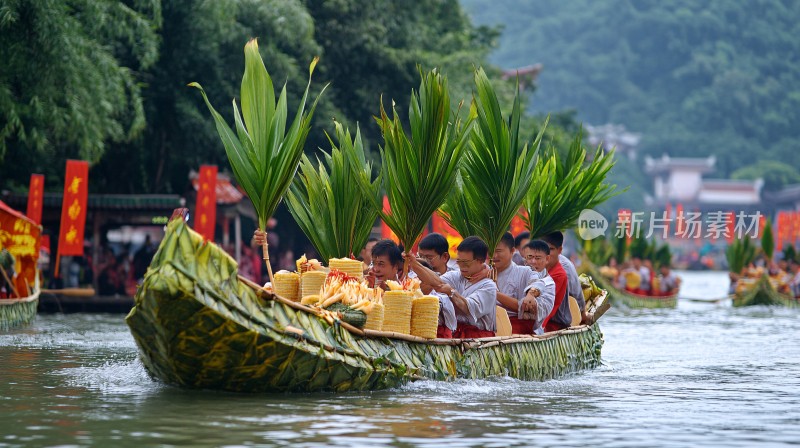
{"x": 473, "y": 294}
{"x": 537, "y": 307}
{"x": 567, "y": 284}
{"x": 514, "y": 282}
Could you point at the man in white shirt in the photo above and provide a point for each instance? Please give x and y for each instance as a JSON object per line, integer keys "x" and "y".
{"x": 472, "y": 293}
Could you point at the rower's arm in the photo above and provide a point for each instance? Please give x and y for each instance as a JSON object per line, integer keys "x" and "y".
{"x": 507, "y": 301}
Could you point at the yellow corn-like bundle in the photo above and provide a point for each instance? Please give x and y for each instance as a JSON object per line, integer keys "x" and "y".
{"x": 375, "y": 318}
{"x": 425, "y": 316}
{"x": 349, "y": 266}
{"x": 287, "y": 285}
{"x": 397, "y": 311}
{"x": 633, "y": 280}
{"x": 311, "y": 282}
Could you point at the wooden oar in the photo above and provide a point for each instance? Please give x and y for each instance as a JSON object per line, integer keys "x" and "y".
{"x": 74, "y": 292}
{"x": 712, "y": 301}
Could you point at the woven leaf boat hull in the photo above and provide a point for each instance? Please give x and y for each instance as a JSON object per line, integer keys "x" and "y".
{"x": 627, "y": 299}
{"x": 198, "y": 325}
{"x": 18, "y": 312}
{"x": 762, "y": 293}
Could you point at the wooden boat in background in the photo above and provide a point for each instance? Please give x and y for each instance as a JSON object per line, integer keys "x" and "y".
{"x": 627, "y": 298}
{"x": 20, "y": 311}
{"x": 198, "y": 325}
{"x": 762, "y": 292}
{"x": 19, "y": 235}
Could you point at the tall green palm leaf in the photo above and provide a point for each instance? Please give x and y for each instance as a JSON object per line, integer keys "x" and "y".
{"x": 497, "y": 170}
{"x": 336, "y": 217}
{"x": 739, "y": 254}
{"x": 263, "y": 153}
{"x": 419, "y": 170}
{"x": 562, "y": 189}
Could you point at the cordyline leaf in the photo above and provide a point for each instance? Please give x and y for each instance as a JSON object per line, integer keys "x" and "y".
{"x": 263, "y": 154}
{"x": 332, "y": 211}
{"x": 563, "y": 188}
{"x": 497, "y": 171}
{"x": 418, "y": 171}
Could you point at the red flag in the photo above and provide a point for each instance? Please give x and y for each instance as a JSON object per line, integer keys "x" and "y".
{"x": 386, "y": 232}
{"x": 679, "y": 220}
{"x": 73, "y": 208}
{"x": 453, "y": 238}
{"x": 35, "y": 196}
{"x": 20, "y": 236}
{"x": 730, "y": 227}
{"x": 517, "y": 225}
{"x": 206, "y": 208}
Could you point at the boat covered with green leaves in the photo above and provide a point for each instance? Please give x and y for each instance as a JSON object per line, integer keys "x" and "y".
{"x": 762, "y": 292}
{"x": 19, "y": 275}
{"x": 199, "y": 325}
{"x": 627, "y": 298}
{"x": 19, "y": 311}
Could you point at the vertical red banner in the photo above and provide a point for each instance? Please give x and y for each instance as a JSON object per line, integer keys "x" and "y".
{"x": 35, "y": 197}
{"x": 19, "y": 235}
{"x": 73, "y": 208}
{"x": 730, "y": 227}
{"x": 453, "y": 238}
{"x": 517, "y": 224}
{"x": 679, "y": 220}
{"x": 206, "y": 208}
{"x": 386, "y": 232}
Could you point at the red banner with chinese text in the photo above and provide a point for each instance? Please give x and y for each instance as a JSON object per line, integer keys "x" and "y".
{"x": 35, "y": 197}
{"x": 205, "y": 219}
{"x": 20, "y": 236}
{"x": 73, "y": 208}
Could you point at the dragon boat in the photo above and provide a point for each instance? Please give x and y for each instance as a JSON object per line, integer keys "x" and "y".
{"x": 761, "y": 292}
{"x": 19, "y": 311}
{"x": 197, "y": 324}
{"x": 627, "y": 298}
{"x": 19, "y": 240}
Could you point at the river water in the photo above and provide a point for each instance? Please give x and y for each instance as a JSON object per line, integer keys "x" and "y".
{"x": 702, "y": 374}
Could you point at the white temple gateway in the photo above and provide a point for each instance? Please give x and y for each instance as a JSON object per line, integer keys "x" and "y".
{"x": 680, "y": 180}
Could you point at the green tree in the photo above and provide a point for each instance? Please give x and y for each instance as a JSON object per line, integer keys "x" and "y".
{"x": 775, "y": 174}
{"x": 695, "y": 78}
{"x": 202, "y": 42}
{"x": 68, "y": 87}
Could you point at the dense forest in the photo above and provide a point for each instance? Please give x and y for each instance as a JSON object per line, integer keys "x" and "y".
{"x": 106, "y": 80}
{"x": 694, "y": 78}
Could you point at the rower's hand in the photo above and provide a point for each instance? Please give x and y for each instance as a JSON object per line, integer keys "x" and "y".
{"x": 260, "y": 237}
{"x": 410, "y": 259}
{"x": 529, "y": 304}
{"x": 443, "y": 288}
{"x": 586, "y": 318}
{"x": 426, "y": 288}
{"x": 370, "y": 278}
